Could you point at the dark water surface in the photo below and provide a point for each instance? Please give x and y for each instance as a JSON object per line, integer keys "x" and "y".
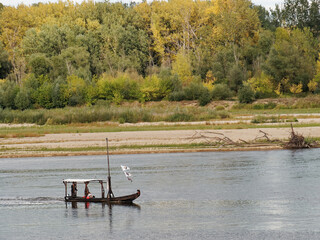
{"x": 229, "y": 195}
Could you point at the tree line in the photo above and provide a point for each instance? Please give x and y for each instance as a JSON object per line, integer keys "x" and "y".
{"x": 65, "y": 54}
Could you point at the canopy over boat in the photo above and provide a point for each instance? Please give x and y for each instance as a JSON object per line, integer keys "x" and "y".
{"x": 70, "y": 180}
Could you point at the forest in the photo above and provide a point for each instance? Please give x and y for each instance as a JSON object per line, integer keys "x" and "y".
{"x": 66, "y": 54}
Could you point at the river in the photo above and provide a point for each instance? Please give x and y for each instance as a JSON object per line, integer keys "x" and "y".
{"x": 214, "y": 195}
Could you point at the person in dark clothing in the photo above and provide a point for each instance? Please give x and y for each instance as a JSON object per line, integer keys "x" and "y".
{"x": 74, "y": 189}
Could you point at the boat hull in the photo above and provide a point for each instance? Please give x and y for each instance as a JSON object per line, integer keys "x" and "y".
{"x": 113, "y": 200}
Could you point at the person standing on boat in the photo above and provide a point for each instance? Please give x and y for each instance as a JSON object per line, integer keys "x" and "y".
{"x": 74, "y": 189}
{"x": 86, "y": 189}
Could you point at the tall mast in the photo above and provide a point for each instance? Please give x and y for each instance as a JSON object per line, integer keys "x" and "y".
{"x": 110, "y": 193}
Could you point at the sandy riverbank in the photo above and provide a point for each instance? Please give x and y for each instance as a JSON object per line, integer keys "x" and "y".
{"x": 143, "y": 142}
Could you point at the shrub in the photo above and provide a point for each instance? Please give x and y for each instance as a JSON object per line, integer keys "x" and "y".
{"x": 76, "y": 90}
{"x": 59, "y": 94}
{"x": 169, "y": 82}
{"x": 246, "y": 94}
{"x": 235, "y": 77}
{"x": 220, "y": 108}
{"x": 44, "y": 95}
{"x": 22, "y": 100}
{"x": 179, "y": 117}
{"x": 129, "y": 116}
{"x": 194, "y": 91}
{"x": 177, "y": 96}
{"x": 8, "y": 92}
{"x": 151, "y": 90}
{"x": 205, "y": 97}
{"x": 118, "y": 89}
{"x": 221, "y": 92}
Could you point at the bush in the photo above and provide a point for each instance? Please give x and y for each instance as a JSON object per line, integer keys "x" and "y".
{"x": 177, "y": 96}
{"x": 151, "y": 90}
{"x": 22, "y": 100}
{"x": 235, "y": 77}
{"x": 220, "y": 108}
{"x": 118, "y": 89}
{"x": 205, "y": 97}
{"x": 169, "y": 82}
{"x": 76, "y": 90}
{"x": 8, "y": 92}
{"x": 44, "y": 95}
{"x": 194, "y": 91}
{"x": 246, "y": 95}
{"x": 128, "y": 116}
{"x": 221, "y": 92}
{"x": 59, "y": 94}
{"x": 179, "y": 117}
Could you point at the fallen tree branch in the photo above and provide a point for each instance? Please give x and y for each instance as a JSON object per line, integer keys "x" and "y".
{"x": 296, "y": 141}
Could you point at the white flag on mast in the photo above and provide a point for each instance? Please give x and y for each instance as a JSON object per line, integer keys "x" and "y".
{"x": 126, "y": 172}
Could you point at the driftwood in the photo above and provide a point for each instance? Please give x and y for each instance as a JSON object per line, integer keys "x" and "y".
{"x": 297, "y": 141}
{"x": 214, "y": 138}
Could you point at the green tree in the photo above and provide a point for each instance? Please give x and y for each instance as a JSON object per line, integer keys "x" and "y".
{"x": 60, "y": 94}
{"x": 44, "y": 95}
{"x": 8, "y": 92}
{"x": 235, "y": 23}
{"x": 223, "y": 61}
{"x": 39, "y": 64}
{"x": 314, "y": 17}
{"x": 235, "y": 78}
{"x": 265, "y": 18}
{"x": 296, "y": 13}
{"x": 77, "y": 62}
{"x": 22, "y": 99}
{"x": 5, "y": 65}
{"x": 292, "y": 57}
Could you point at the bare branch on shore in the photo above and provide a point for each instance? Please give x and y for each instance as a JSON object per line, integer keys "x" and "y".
{"x": 296, "y": 141}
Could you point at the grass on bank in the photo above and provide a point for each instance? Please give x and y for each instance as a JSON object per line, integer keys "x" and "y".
{"x": 126, "y": 113}
{"x": 37, "y": 131}
{"x": 105, "y": 117}
{"x": 114, "y": 148}
{"x": 185, "y": 111}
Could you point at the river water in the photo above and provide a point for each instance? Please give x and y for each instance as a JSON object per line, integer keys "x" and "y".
{"x": 229, "y": 195}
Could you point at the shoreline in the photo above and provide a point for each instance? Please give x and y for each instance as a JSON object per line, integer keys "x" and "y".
{"x": 158, "y": 151}
{"x": 148, "y": 142}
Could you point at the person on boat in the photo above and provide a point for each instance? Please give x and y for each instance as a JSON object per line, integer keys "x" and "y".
{"x": 74, "y": 189}
{"x": 86, "y": 190}
{"x": 89, "y": 196}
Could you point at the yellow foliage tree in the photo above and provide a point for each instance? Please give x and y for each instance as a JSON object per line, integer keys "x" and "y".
{"x": 278, "y": 89}
{"x": 312, "y": 85}
{"x": 235, "y": 22}
{"x": 182, "y": 67}
{"x": 174, "y": 25}
{"x": 210, "y": 81}
{"x": 262, "y": 83}
{"x": 296, "y": 88}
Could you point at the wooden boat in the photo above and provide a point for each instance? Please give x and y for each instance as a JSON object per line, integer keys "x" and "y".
{"x": 109, "y": 198}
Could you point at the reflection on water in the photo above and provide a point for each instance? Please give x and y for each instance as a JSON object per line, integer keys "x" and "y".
{"x": 75, "y": 211}
{"x": 233, "y": 195}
